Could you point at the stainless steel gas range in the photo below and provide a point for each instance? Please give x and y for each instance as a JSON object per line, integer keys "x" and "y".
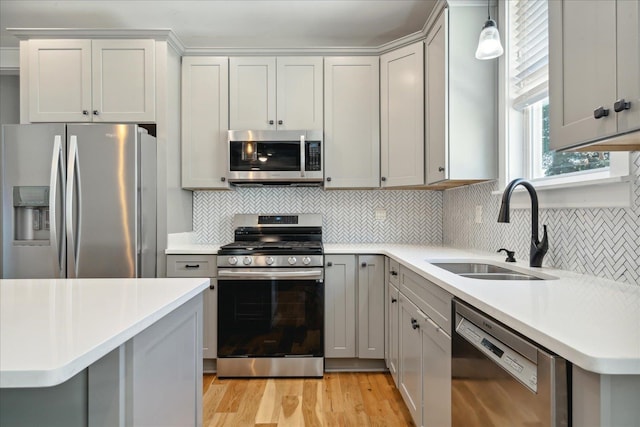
{"x": 271, "y": 298}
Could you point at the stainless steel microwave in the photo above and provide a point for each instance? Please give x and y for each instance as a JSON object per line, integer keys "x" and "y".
{"x": 275, "y": 157}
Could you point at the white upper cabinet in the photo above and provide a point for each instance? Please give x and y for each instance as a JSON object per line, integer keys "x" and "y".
{"x": 268, "y": 93}
{"x": 352, "y": 122}
{"x": 205, "y": 122}
{"x": 91, "y": 80}
{"x": 402, "y": 116}
{"x": 461, "y": 137}
{"x": 594, "y": 70}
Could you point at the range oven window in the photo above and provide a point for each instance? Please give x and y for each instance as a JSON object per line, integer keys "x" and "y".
{"x": 270, "y": 318}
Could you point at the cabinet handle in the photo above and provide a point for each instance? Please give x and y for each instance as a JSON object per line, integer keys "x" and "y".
{"x": 85, "y": 112}
{"x": 329, "y": 264}
{"x": 192, "y": 266}
{"x": 414, "y": 324}
{"x": 212, "y": 286}
{"x": 440, "y": 169}
{"x": 393, "y": 300}
{"x": 600, "y": 112}
{"x": 223, "y": 179}
{"x": 394, "y": 273}
{"x": 96, "y": 112}
{"x": 328, "y": 179}
{"x": 280, "y": 122}
{"x": 384, "y": 178}
{"x": 363, "y": 265}
{"x": 621, "y": 105}
{"x": 270, "y": 122}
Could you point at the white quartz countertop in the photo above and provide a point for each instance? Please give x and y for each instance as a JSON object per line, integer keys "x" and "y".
{"x": 51, "y": 329}
{"x": 590, "y": 321}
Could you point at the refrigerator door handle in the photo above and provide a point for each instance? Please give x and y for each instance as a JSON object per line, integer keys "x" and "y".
{"x": 73, "y": 177}
{"x": 56, "y": 166}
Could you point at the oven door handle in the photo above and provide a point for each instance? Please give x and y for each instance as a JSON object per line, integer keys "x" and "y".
{"x": 299, "y": 274}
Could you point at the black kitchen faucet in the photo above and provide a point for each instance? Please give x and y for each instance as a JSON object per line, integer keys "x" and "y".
{"x": 538, "y": 248}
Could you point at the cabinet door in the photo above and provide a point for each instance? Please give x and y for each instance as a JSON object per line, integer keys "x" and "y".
{"x": 299, "y": 93}
{"x": 210, "y": 321}
{"x": 410, "y": 369}
{"x": 402, "y": 116}
{"x": 393, "y": 331}
{"x": 371, "y": 307}
{"x": 436, "y": 375}
{"x": 352, "y": 122}
{"x": 435, "y": 56}
{"x": 59, "y": 80}
{"x": 205, "y": 122}
{"x": 123, "y": 80}
{"x": 582, "y": 70}
{"x": 252, "y": 93}
{"x": 628, "y": 36}
{"x": 340, "y": 306}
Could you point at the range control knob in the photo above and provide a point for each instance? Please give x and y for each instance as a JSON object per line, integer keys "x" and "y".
{"x": 268, "y": 260}
{"x": 232, "y": 260}
{"x": 247, "y": 260}
{"x": 292, "y": 260}
{"x": 306, "y": 260}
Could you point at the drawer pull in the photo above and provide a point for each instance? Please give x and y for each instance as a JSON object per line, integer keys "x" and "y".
{"x": 394, "y": 273}
{"x": 212, "y": 286}
{"x": 414, "y": 324}
{"x": 393, "y": 300}
{"x": 191, "y": 266}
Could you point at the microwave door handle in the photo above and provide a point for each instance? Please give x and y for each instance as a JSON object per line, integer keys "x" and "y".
{"x": 302, "y": 156}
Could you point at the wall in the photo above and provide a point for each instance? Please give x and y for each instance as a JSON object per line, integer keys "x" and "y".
{"x": 599, "y": 242}
{"x": 348, "y": 215}
{"x": 10, "y": 99}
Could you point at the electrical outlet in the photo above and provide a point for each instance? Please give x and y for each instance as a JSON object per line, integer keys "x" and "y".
{"x": 381, "y": 214}
{"x": 478, "y": 214}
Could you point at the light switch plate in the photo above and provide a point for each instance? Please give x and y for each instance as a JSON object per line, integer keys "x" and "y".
{"x": 381, "y": 214}
{"x": 478, "y": 214}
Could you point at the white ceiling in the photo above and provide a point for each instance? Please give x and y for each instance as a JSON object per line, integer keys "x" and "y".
{"x": 230, "y": 23}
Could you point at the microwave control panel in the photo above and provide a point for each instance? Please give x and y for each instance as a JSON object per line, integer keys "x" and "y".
{"x": 313, "y": 160}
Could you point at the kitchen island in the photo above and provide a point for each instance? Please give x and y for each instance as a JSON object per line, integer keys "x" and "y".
{"x": 101, "y": 352}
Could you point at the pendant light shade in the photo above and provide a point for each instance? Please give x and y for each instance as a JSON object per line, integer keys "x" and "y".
{"x": 489, "y": 45}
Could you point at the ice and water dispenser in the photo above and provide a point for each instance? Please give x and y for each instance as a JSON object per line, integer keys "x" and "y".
{"x": 31, "y": 214}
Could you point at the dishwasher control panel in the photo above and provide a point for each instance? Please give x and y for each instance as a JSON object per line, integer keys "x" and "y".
{"x": 508, "y": 359}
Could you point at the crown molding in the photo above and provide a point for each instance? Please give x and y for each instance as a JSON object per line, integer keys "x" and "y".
{"x": 160, "y": 34}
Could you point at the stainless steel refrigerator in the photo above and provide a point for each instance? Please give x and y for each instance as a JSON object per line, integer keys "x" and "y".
{"x": 78, "y": 200}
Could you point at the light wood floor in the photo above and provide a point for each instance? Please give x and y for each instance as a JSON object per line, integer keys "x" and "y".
{"x": 339, "y": 399}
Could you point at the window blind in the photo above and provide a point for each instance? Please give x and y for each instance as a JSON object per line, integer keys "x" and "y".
{"x": 529, "y": 51}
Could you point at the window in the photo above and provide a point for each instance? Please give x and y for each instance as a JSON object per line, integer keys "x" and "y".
{"x": 528, "y": 52}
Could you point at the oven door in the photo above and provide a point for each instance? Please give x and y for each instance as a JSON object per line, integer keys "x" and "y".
{"x": 270, "y": 313}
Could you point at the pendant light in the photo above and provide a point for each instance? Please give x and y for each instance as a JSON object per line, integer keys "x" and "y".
{"x": 489, "y": 45}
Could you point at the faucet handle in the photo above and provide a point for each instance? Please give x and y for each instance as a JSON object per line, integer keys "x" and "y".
{"x": 510, "y": 254}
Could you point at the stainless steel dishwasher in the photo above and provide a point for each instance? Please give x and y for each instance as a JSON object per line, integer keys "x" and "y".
{"x": 500, "y": 378}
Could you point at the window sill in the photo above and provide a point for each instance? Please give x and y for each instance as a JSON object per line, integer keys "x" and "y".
{"x": 597, "y": 192}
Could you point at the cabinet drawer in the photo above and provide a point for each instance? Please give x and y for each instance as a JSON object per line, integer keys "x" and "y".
{"x": 191, "y": 266}
{"x": 394, "y": 272}
{"x": 434, "y": 301}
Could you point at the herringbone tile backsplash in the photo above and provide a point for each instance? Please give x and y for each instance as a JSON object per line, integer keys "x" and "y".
{"x": 348, "y": 215}
{"x": 598, "y": 242}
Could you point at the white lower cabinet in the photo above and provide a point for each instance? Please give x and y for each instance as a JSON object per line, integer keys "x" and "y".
{"x": 354, "y": 306}
{"x": 436, "y": 375}
{"x": 410, "y": 372}
{"x": 392, "y": 312}
{"x": 424, "y": 349}
{"x": 201, "y": 266}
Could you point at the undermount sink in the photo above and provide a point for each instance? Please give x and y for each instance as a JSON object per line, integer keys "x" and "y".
{"x": 486, "y": 271}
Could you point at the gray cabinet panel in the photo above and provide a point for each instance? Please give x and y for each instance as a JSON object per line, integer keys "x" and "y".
{"x": 371, "y": 306}
{"x": 340, "y": 306}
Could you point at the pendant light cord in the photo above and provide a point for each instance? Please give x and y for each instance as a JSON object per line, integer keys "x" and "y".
{"x": 488, "y": 13}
